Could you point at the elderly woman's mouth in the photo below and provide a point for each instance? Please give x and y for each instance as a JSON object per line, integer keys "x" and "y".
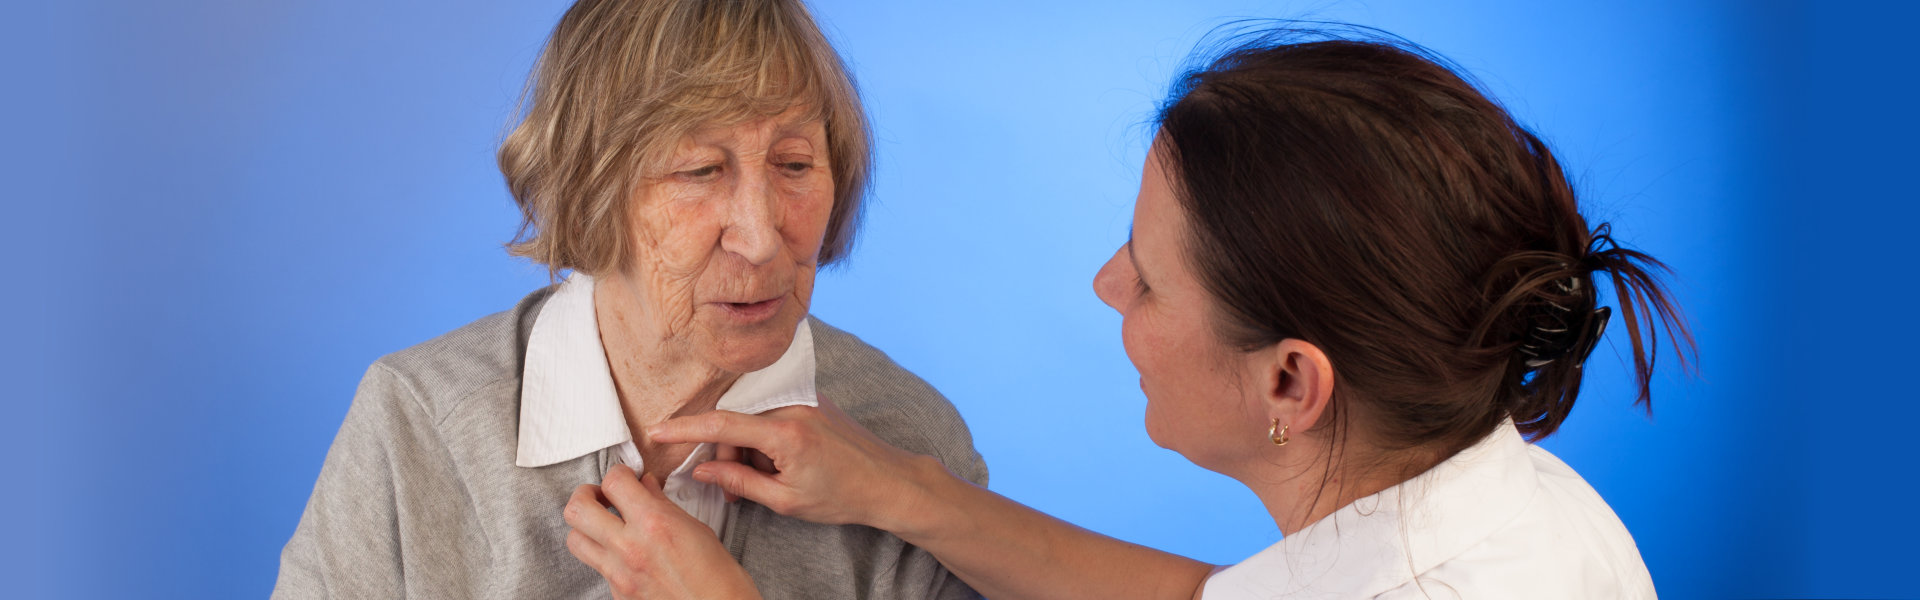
{"x": 753, "y": 311}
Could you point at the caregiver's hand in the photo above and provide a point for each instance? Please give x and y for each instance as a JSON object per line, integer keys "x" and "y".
{"x": 652, "y": 549}
{"x": 814, "y": 464}
{"x": 818, "y": 465}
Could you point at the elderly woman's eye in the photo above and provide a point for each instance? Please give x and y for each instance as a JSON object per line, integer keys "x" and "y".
{"x": 706, "y": 172}
{"x": 795, "y": 168}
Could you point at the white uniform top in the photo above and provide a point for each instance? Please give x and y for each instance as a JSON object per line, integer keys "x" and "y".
{"x": 1501, "y": 519}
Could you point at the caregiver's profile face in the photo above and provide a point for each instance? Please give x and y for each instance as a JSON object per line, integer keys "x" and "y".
{"x": 726, "y": 233}
{"x": 1185, "y": 371}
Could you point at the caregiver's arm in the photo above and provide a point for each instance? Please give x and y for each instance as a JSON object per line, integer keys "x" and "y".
{"x": 828, "y": 469}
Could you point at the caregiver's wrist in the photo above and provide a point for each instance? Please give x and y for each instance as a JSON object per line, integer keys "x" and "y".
{"x": 922, "y": 507}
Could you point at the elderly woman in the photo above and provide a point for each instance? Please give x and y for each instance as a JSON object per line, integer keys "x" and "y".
{"x": 692, "y": 164}
{"x": 1355, "y": 285}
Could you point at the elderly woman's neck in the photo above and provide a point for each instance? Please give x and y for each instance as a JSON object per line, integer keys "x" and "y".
{"x": 654, "y": 387}
{"x": 655, "y": 375}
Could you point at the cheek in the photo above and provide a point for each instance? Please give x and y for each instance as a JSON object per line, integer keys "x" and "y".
{"x": 1133, "y": 339}
{"x": 804, "y": 222}
{"x": 680, "y": 233}
{"x": 805, "y": 230}
{"x": 1149, "y": 358}
{"x": 672, "y": 241}
{"x": 1184, "y": 389}
{"x": 1143, "y": 333}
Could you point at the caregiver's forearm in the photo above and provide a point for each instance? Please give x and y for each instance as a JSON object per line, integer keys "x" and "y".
{"x": 1008, "y": 551}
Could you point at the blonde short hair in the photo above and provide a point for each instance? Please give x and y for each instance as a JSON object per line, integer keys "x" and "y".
{"x": 621, "y": 81}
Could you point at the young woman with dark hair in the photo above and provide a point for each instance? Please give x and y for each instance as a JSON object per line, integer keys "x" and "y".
{"x": 1355, "y": 285}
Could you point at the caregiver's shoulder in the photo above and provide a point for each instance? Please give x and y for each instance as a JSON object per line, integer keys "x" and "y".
{"x": 1566, "y": 543}
{"x": 445, "y": 372}
{"x": 892, "y": 402}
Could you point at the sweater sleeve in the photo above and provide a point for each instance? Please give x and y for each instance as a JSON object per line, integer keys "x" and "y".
{"x": 926, "y": 424}
{"x": 381, "y": 484}
{"x": 908, "y": 413}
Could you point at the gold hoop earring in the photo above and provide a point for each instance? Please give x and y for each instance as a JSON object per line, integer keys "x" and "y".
{"x": 1278, "y": 433}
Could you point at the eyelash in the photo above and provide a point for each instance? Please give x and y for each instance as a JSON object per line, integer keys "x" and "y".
{"x": 707, "y": 172}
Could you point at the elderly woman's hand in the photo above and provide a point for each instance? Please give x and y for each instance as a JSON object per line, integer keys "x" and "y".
{"x": 814, "y": 464}
{"x": 652, "y": 549}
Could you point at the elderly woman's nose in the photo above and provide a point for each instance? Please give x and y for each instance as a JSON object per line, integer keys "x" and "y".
{"x": 753, "y": 227}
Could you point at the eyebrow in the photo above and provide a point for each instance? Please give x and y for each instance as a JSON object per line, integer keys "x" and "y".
{"x": 796, "y": 123}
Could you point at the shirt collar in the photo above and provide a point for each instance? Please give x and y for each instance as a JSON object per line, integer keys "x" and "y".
{"x": 568, "y": 406}
{"x": 1381, "y": 541}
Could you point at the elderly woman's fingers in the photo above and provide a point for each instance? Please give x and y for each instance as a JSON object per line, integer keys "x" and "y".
{"x": 586, "y": 513}
{"x": 629, "y": 495}
{"x": 653, "y": 484}
{"x": 587, "y": 551}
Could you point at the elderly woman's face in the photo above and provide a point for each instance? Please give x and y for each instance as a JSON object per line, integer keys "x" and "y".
{"x": 726, "y": 239}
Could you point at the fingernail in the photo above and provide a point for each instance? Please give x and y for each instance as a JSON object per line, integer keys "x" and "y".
{"x": 702, "y": 475}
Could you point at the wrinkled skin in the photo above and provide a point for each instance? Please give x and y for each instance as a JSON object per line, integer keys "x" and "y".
{"x": 726, "y": 235}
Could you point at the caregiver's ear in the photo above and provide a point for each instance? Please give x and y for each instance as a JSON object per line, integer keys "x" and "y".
{"x": 1292, "y": 381}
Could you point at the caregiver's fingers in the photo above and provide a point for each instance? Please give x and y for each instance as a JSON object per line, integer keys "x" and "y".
{"x": 722, "y": 427}
{"x": 727, "y": 453}
{"x": 759, "y": 460}
{"x": 587, "y": 514}
{"x": 747, "y": 482}
{"x": 733, "y": 454}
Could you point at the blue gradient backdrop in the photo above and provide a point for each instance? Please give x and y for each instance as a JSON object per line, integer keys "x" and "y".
{"x": 223, "y": 210}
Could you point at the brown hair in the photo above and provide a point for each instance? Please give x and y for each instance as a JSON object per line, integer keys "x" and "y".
{"x": 621, "y": 81}
{"x": 1359, "y": 195}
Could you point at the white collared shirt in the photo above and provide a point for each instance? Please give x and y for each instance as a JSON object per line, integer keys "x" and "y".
{"x": 1501, "y": 519}
{"x": 568, "y": 406}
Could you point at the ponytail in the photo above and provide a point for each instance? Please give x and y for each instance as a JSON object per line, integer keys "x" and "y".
{"x": 1551, "y": 314}
{"x": 1645, "y": 306}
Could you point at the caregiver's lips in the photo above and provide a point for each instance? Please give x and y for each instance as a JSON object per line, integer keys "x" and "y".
{"x": 753, "y": 312}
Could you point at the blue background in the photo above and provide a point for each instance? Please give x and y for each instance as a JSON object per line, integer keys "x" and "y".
{"x": 223, "y": 210}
